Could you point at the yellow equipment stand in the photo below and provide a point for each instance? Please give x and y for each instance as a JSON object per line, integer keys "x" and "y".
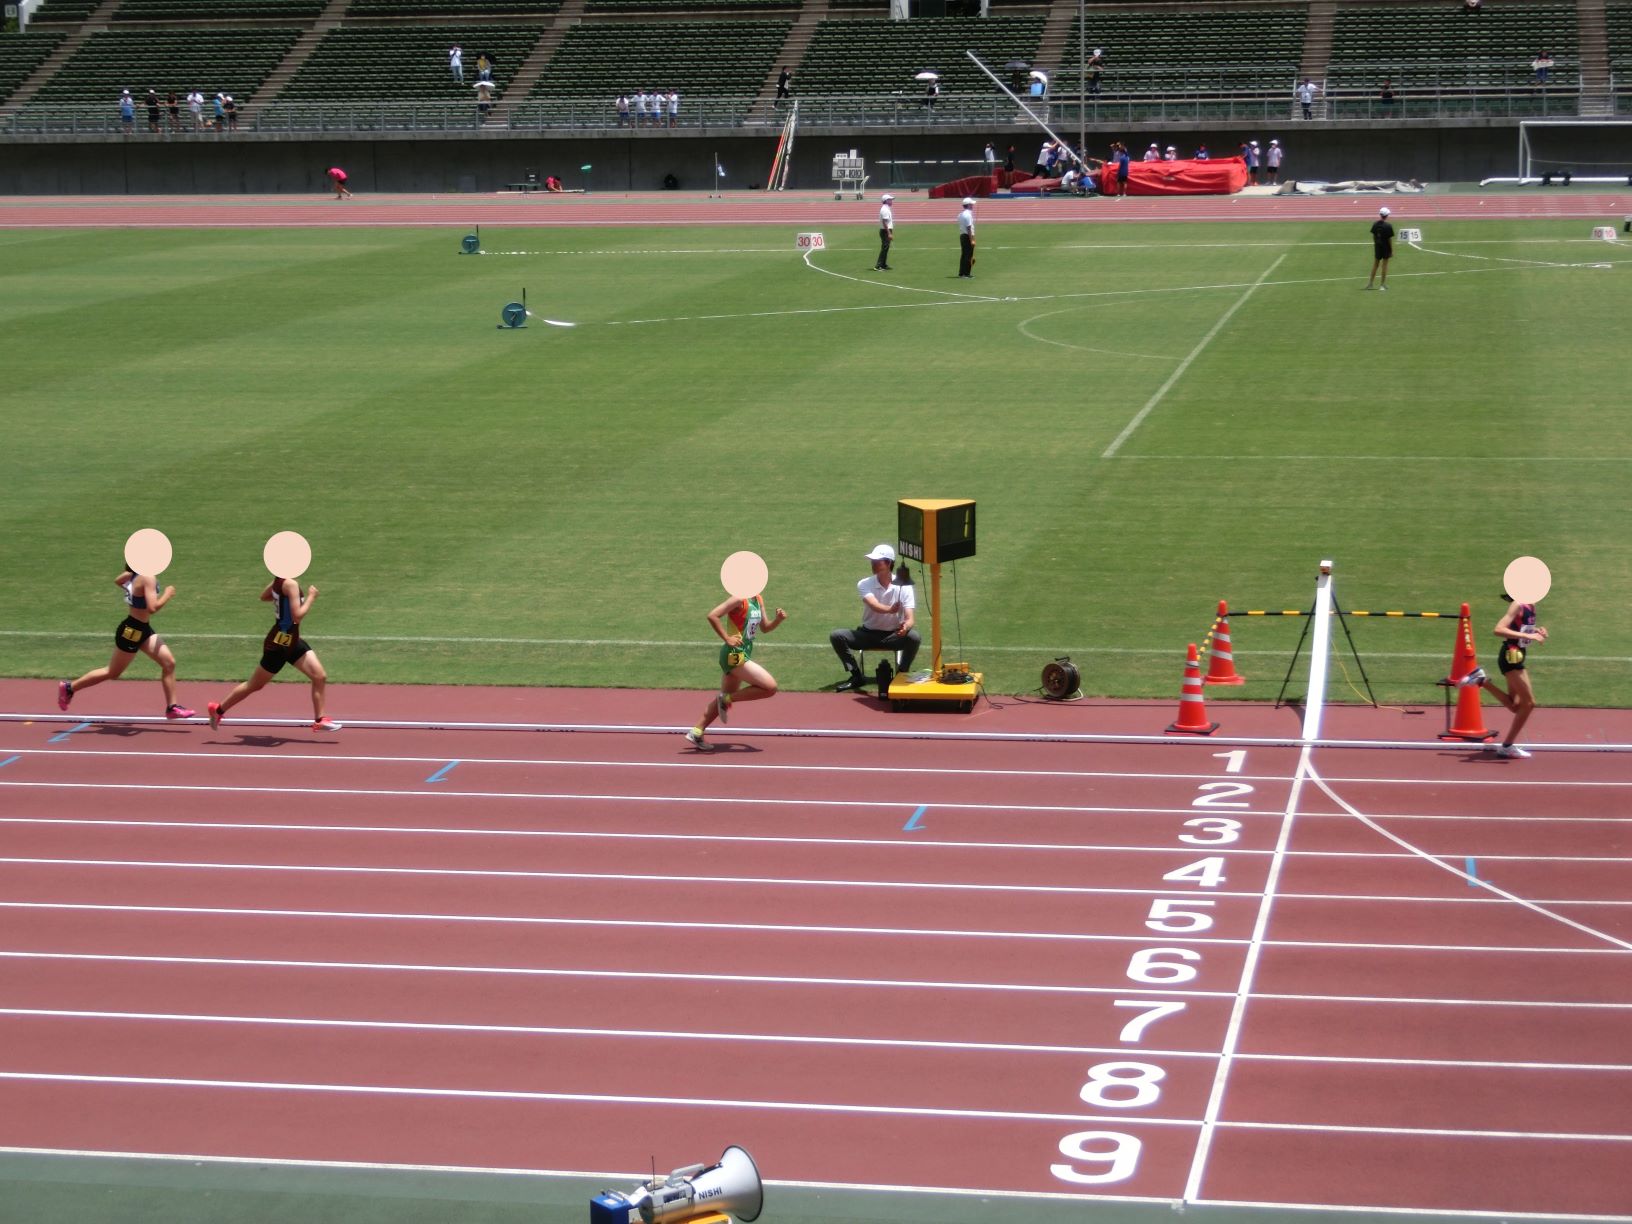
{"x": 932, "y": 530}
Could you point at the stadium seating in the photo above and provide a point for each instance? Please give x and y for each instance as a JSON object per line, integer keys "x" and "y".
{"x": 718, "y": 59}
{"x": 1618, "y": 24}
{"x": 666, "y": 6}
{"x": 217, "y": 10}
{"x": 452, "y": 8}
{"x": 406, "y": 62}
{"x": 880, "y": 57}
{"x": 1224, "y": 50}
{"x": 63, "y": 12}
{"x": 232, "y": 61}
{"x": 19, "y": 57}
{"x": 1485, "y": 59}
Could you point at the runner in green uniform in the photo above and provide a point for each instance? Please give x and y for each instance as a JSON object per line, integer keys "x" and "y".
{"x": 738, "y": 622}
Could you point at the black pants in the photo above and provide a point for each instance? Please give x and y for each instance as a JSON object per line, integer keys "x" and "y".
{"x": 883, "y": 246}
{"x": 966, "y": 259}
{"x": 846, "y": 640}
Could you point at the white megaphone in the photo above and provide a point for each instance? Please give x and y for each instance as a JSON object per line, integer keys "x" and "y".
{"x": 732, "y": 1185}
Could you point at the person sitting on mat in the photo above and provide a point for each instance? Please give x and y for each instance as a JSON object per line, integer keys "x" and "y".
{"x": 135, "y": 633}
{"x": 283, "y": 645}
{"x": 1516, "y": 631}
{"x": 738, "y": 622}
{"x": 889, "y": 611}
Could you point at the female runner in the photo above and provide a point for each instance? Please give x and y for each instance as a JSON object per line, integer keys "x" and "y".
{"x": 135, "y": 633}
{"x": 284, "y": 645}
{"x": 1515, "y": 631}
{"x": 746, "y": 622}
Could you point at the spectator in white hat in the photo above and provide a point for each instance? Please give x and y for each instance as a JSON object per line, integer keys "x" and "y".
{"x": 1154, "y": 153}
{"x": 1382, "y": 248}
{"x": 1171, "y": 154}
{"x": 966, "y": 239}
{"x": 1272, "y": 162}
{"x": 886, "y": 231}
{"x": 889, "y": 611}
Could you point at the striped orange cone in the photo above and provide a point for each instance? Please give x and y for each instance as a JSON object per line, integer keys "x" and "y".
{"x": 1469, "y": 724}
{"x": 1221, "y": 663}
{"x": 1192, "y": 706}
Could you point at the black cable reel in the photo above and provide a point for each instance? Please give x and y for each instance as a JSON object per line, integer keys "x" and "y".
{"x": 1061, "y": 679}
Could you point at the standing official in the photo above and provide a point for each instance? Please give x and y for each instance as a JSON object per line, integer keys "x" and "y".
{"x": 1273, "y": 161}
{"x": 886, "y": 231}
{"x": 966, "y": 238}
{"x": 1382, "y": 248}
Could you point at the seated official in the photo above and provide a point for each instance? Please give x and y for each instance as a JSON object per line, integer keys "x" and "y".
{"x": 888, "y": 613}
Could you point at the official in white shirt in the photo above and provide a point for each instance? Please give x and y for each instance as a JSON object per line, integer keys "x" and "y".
{"x": 889, "y": 612}
{"x": 886, "y": 231}
{"x": 966, "y": 238}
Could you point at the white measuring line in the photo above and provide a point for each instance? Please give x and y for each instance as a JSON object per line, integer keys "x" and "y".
{"x": 1173, "y": 378}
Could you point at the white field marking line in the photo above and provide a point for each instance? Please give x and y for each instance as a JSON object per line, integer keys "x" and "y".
{"x": 552, "y": 762}
{"x": 1055, "y": 297}
{"x": 252, "y": 826}
{"x": 650, "y": 643}
{"x": 1173, "y": 378}
{"x": 878, "y": 806}
{"x": 1415, "y": 246}
{"x": 1435, "y": 459}
{"x": 550, "y": 1030}
{"x": 626, "y": 877}
{"x": 858, "y": 280}
{"x": 779, "y": 980}
{"x": 590, "y": 1098}
{"x": 1439, "y": 1131}
{"x": 1024, "y": 326}
{"x": 775, "y": 928}
{"x": 634, "y": 923}
{"x": 995, "y": 737}
{"x": 1471, "y": 880}
{"x": 1243, "y": 990}
{"x": 1372, "y": 1209}
{"x": 640, "y": 975}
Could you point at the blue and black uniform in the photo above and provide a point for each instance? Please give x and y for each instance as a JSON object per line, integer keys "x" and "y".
{"x": 132, "y": 633}
{"x": 1510, "y": 652}
{"x": 283, "y": 644}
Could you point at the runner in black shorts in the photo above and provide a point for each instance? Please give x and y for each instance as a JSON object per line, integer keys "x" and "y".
{"x": 135, "y": 636}
{"x": 1515, "y": 633}
{"x": 284, "y": 646}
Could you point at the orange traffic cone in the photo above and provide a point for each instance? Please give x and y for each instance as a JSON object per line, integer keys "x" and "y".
{"x": 1469, "y": 724}
{"x": 1221, "y": 663}
{"x": 1192, "y": 708}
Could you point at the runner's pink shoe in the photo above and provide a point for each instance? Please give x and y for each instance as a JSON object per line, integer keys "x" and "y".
{"x": 65, "y": 693}
{"x": 326, "y": 724}
{"x": 214, "y": 709}
{"x": 178, "y": 711}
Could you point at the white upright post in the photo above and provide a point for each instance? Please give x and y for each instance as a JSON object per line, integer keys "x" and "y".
{"x": 1320, "y": 651}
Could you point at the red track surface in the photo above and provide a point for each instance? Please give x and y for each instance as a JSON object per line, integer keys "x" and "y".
{"x": 791, "y": 208}
{"x": 575, "y": 950}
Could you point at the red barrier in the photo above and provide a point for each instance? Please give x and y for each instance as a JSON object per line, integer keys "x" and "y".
{"x": 1221, "y": 176}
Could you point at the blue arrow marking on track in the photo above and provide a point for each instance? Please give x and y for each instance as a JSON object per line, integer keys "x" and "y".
{"x": 1473, "y": 874}
{"x": 9, "y": 760}
{"x": 913, "y": 823}
{"x": 58, "y": 738}
{"x": 441, "y": 773}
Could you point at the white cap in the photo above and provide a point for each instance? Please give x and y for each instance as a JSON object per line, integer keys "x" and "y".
{"x": 1171, "y": 149}
{"x": 1274, "y": 142}
{"x": 1253, "y": 143}
{"x": 968, "y": 202}
{"x": 885, "y": 198}
{"x": 882, "y": 553}
{"x": 1382, "y": 212}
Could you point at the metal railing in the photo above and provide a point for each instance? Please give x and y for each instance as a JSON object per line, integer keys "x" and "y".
{"x": 1066, "y": 112}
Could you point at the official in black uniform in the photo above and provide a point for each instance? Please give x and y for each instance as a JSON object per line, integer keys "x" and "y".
{"x": 1382, "y": 248}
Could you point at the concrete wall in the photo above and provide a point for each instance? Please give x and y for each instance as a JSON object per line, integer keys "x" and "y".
{"x": 248, "y": 163}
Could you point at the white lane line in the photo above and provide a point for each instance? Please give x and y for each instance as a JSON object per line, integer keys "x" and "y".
{"x": 691, "y": 644}
{"x": 1440, "y": 1131}
{"x": 907, "y": 1043}
{"x": 1024, "y": 326}
{"x": 1436, "y": 460}
{"x": 592, "y": 1098}
{"x": 875, "y": 805}
{"x": 1161, "y": 392}
{"x": 785, "y": 980}
{"x": 1470, "y": 880}
{"x": 859, "y": 280}
{"x": 1243, "y": 990}
{"x": 620, "y": 876}
{"x": 217, "y": 911}
{"x": 1425, "y": 1211}
{"x": 755, "y": 839}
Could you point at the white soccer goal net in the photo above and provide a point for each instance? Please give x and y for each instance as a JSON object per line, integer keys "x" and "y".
{"x": 1575, "y": 150}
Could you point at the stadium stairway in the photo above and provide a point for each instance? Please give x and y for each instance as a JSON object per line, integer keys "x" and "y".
{"x": 298, "y": 54}
{"x": 1317, "y": 48}
{"x": 1597, "y": 93}
{"x": 34, "y": 81}
{"x": 811, "y": 12}
{"x": 570, "y": 13}
{"x": 1051, "y": 49}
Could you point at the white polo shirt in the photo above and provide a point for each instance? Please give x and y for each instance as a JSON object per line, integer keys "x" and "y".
{"x": 886, "y": 217}
{"x": 894, "y": 596}
{"x": 966, "y": 222}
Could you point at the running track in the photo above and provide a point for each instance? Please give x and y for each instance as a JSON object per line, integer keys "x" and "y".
{"x": 1110, "y": 969}
{"x": 779, "y": 208}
